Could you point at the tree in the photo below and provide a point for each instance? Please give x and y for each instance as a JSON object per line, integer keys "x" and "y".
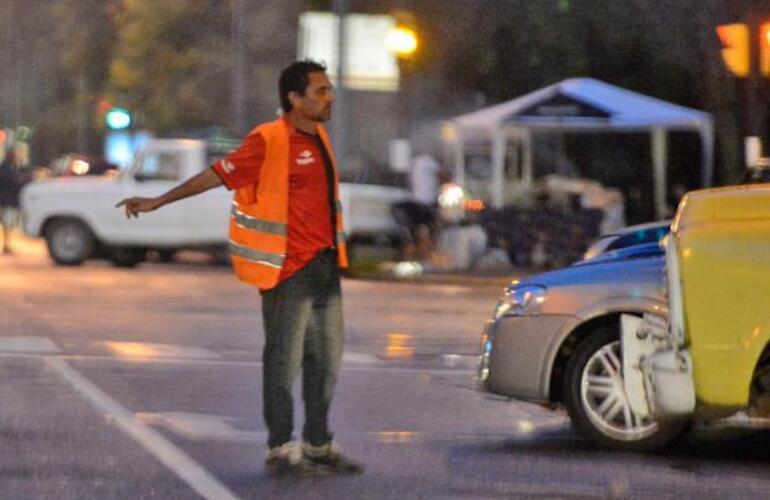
{"x": 86, "y": 37}
{"x": 171, "y": 65}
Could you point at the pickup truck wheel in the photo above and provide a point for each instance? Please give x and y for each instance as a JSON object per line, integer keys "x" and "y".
{"x": 166, "y": 255}
{"x": 69, "y": 242}
{"x": 596, "y": 400}
{"x": 127, "y": 257}
{"x": 221, "y": 257}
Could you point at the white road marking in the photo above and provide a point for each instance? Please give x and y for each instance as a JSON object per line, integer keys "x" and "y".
{"x": 434, "y": 288}
{"x": 358, "y": 358}
{"x": 28, "y": 345}
{"x": 448, "y": 289}
{"x": 202, "y": 427}
{"x": 190, "y": 471}
{"x": 140, "y": 352}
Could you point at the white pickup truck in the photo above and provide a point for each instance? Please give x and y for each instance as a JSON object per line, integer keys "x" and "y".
{"x": 78, "y": 219}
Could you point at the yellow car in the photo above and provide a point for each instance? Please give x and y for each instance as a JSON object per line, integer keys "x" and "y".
{"x": 711, "y": 357}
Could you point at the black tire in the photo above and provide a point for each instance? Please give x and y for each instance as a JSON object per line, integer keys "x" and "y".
{"x": 69, "y": 242}
{"x": 612, "y": 425}
{"x": 221, "y": 257}
{"x": 166, "y": 255}
{"x": 127, "y": 256}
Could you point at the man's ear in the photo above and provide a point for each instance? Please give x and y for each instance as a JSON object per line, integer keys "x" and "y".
{"x": 294, "y": 97}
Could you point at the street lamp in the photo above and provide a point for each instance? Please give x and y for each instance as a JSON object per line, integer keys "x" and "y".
{"x": 764, "y": 49}
{"x": 736, "y": 51}
{"x": 402, "y": 41}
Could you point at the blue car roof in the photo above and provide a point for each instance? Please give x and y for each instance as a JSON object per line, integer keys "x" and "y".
{"x": 632, "y": 252}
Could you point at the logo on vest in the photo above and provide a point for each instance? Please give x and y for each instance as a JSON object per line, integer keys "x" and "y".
{"x": 305, "y": 158}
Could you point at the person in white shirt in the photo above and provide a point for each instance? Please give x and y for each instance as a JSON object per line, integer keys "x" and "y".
{"x": 418, "y": 216}
{"x": 424, "y": 179}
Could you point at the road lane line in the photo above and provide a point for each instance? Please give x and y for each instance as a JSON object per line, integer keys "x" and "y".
{"x": 28, "y": 345}
{"x": 384, "y": 368}
{"x": 187, "y": 469}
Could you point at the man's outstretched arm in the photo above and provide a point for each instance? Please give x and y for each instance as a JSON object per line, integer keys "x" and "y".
{"x": 197, "y": 184}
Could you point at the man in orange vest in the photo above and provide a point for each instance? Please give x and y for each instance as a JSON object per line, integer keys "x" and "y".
{"x": 286, "y": 238}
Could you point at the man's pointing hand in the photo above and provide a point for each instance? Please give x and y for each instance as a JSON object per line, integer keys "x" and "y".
{"x": 136, "y": 205}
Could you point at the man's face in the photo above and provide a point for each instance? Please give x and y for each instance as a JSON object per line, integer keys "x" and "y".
{"x": 316, "y": 103}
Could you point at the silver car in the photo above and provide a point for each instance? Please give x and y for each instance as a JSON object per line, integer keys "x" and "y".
{"x": 554, "y": 339}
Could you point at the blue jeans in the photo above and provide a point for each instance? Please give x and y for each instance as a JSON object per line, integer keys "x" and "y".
{"x": 303, "y": 329}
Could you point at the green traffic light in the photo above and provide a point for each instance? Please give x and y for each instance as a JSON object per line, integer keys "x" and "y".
{"x": 118, "y": 119}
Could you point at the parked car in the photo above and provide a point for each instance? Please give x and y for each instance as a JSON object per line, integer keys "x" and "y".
{"x": 554, "y": 338}
{"x": 711, "y": 358}
{"x": 79, "y": 221}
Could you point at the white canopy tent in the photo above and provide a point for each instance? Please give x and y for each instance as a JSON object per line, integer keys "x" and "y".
{"x": 577, "y": 105}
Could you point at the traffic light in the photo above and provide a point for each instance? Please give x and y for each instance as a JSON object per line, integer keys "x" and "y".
{"x": 764, "y": 49}
{"x": 735, "y": 48}
{"x": 118, "y": 119}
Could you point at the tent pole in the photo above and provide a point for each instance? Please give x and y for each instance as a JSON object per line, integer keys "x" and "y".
{"x": 516, "y": 173}
{"x": 459, "y": 152}
{"x": 526, "y": 139}
{"x": 498, "y": 163}
{"x": 707, "y": 156}
{"x": 659, "y": 159}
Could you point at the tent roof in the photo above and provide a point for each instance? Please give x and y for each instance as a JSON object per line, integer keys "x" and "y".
{"x": 583, "y": 103}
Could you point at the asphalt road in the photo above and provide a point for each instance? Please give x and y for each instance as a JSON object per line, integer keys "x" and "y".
{"x": 144, "y": 383}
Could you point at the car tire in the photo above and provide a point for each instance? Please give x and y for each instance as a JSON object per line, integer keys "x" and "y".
{"x": 166, "y": 255}
{"x": 127, "y": 256}
{"x": 69, "y": 242}
{"x": 596, "y": 401}
{"x": 221, "y": 256}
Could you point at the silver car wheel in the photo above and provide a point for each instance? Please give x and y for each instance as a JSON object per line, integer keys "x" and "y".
{"x": 604, "y": 398}
{"x": 69, "y": 242}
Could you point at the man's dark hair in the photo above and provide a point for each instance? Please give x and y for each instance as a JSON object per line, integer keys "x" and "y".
{"x": 295, "y": 78}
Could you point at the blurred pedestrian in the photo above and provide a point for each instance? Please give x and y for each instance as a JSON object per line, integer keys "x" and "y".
{"x": 424, "y": 179}
{"x": 10, "y": 185}
{"x": 286, "y": 238}
{"x": 418, "y": 216}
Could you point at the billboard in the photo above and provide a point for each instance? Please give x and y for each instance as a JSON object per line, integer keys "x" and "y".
{"x": 370, "y": 65}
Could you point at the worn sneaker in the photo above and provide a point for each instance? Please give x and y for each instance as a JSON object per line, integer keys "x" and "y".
{"x": 330, "y": 455}
{"x": 287, "y": 459}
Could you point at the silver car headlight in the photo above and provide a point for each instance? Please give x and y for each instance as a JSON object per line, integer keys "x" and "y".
{"x": 521, "y": 300}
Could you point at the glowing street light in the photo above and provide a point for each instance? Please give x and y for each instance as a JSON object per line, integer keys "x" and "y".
{"x": 735, "y": 48}
{"x": 764, "y": 49}
{"x": 118, "y": 119}
{"x": 402, "y": 41}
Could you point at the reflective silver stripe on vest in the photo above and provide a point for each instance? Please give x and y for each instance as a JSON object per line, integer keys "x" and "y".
{"x": 340, "y": 237}
{"x": 268, "y": 259}
{"x": 263, "y": 226}
{"x": 339, "y": 206}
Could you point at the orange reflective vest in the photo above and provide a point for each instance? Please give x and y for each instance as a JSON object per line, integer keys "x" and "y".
{"x": 260, "y": 212}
